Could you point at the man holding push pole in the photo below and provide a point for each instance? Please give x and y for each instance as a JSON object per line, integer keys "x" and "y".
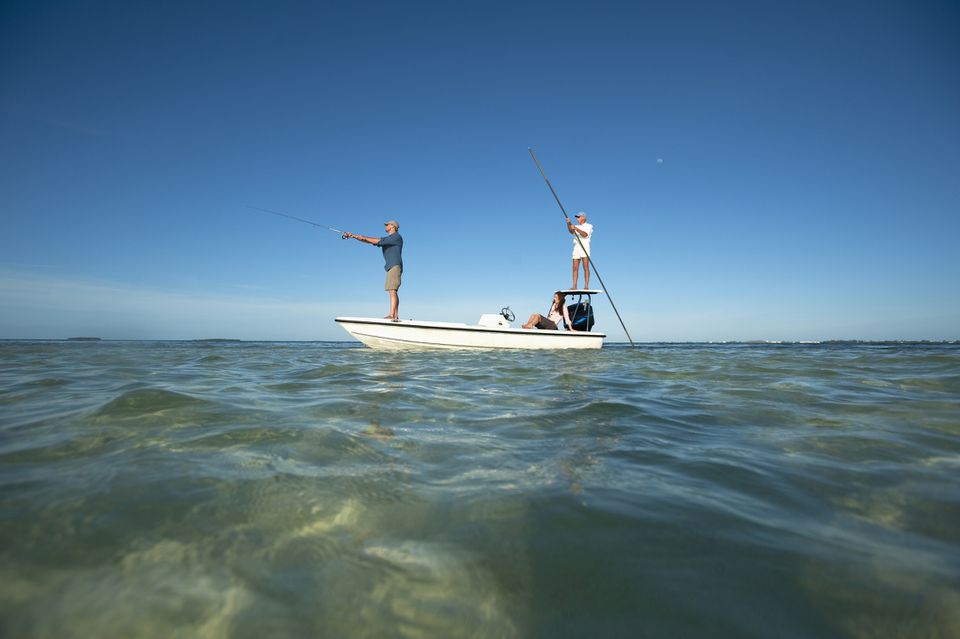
{"x": 581, "y": 233}
{"x": 392, "y": 245}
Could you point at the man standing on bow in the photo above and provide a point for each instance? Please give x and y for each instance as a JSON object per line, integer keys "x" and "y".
{"x": 581, "y": 247}
{"x": 392, "y": 245}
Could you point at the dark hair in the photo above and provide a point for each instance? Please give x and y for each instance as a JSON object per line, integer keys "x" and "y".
{"x": 560, "y": 302}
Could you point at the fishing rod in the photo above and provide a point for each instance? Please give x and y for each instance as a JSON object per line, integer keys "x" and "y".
{"x": 580, "y": 242}
{"x": 300, "y": 219}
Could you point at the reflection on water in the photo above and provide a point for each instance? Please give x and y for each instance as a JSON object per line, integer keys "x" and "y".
{"x": 291, "y": 490}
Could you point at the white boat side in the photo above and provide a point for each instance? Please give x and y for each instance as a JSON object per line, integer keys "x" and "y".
{"x": 419, "y": 335}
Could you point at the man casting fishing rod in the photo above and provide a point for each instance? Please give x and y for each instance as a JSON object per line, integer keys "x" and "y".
{"x": 392, "y": 245}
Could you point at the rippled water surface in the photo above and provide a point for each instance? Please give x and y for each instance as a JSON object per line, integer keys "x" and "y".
{"x": 326, "y": 490}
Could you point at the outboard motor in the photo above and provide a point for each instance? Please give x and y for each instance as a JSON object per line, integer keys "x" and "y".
{"x": 581, "y": 315}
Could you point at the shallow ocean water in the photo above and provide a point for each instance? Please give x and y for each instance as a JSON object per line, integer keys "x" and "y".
{"x": 220, "y": 489}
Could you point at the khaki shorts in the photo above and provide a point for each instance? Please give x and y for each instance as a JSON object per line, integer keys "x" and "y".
{"x": 393, "y": 279}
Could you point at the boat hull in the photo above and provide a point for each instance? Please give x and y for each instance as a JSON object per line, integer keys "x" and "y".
{"x": 407, "y": 335}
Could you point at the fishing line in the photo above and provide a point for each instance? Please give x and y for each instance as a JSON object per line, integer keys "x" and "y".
{"x": 580, "y": 242}
{"x": 299, "y": 219}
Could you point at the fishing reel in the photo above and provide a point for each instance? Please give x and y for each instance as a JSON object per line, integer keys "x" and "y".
{"x": 507, "y": 314}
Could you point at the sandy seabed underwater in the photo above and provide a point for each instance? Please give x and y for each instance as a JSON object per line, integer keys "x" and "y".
{"x": 220, "y": 489}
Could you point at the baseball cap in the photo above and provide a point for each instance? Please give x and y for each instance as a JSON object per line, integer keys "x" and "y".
{"x": 394, "y": 223}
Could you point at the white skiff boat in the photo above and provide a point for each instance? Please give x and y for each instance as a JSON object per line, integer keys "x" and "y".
{"x": 492, "y": 331}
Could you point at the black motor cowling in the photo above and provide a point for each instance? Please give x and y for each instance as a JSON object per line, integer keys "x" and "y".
{"x": 581, "y": 316}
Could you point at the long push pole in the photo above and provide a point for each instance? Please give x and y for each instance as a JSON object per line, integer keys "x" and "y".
{"x": 577, "y": 236}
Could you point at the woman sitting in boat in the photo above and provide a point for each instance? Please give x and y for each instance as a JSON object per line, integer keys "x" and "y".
{"x": 558, "y": 311}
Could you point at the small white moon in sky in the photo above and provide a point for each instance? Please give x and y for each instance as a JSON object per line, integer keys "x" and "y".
{"x": 659, "y": 160}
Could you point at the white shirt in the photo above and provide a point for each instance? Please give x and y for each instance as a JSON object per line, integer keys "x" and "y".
{"x": 587, "y": 228}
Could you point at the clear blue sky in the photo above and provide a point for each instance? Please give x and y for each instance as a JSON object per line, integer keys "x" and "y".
{"x": 809, "y": 186}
